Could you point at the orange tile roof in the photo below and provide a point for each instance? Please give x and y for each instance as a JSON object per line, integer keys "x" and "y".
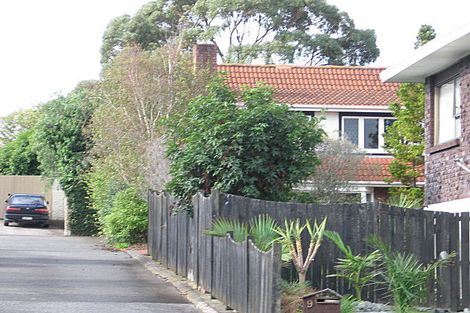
{"x": 318, "y": 85}
{"x": 375, "y": 169}
{"x": 372, "y": 169}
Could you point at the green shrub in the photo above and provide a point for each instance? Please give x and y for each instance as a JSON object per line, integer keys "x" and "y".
{"x": 294, "y": 288}
{"x": 82, "y": 217}
{"x": 103, "y": 187}
{"x": 128, "y": 220}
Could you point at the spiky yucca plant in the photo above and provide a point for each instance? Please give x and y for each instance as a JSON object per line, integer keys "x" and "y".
{"x": 290, "y": 236}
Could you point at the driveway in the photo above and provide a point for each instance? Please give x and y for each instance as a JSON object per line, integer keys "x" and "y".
{"x": 43, "y": 272}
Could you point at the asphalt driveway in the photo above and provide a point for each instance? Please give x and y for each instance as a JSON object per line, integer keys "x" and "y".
{"x": 43, "y": 272}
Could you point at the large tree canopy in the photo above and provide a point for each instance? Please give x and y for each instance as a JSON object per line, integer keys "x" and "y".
{"x": 261, "y": 150}
{"x": 311, "y": 31}
{"x": 151, "y": 27}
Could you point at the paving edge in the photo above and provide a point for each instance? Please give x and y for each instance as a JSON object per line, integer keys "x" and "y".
{"x": 188, "y": 289}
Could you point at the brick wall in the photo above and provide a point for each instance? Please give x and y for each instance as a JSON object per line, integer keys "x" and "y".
{"x": 381, "y": 194}
{"x": 445, "y": 181}
{"x": 205, "y": 56}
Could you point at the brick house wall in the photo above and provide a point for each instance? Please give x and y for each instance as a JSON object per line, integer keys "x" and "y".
{"x": 381, "y": 194}
{"x": 445, "y": 180}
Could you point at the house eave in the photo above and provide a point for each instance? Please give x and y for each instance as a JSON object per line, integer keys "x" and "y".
{"x": 339, "y": 108}
{"x": 431, "y": 58}
{"x": 382, "y": 184}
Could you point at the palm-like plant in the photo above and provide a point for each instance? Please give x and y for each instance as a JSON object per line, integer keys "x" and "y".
{"x": 221, "y": 226}
{"x": 263, "y": 232}
{"x": 290, "y": 236}
{"x": 357, "y": 269}
{"x": 404, "y": 201}
{"x": 405, "y": 276}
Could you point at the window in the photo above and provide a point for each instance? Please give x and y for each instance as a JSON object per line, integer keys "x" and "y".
{"x": 447, "y": 111}
{"x": 366, "y": 132}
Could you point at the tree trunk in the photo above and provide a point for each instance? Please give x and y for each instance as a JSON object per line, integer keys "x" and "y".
{"x": 302, "y": 276}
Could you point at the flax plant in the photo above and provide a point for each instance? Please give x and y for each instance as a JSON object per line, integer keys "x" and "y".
{"x": 290, "y": 236}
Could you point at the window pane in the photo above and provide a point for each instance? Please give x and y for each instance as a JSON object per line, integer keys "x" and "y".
{"x": 351, "y": 130}
{"x": 457, "y": 97}
{"x": 371, "y": 133}
{"x": 445, "y": 118}
{"x": 457, "y": 106}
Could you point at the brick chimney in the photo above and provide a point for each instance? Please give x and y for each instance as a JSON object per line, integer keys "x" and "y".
{"x": 205, "y": 56}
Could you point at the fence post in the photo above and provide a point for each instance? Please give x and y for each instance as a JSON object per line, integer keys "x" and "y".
{"x": 150, "y": 212}
{"x": 276, "y": 278}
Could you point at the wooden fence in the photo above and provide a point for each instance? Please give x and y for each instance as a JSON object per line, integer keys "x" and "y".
{"x": 424, "y": 233}
{"x": 241, "y": 276}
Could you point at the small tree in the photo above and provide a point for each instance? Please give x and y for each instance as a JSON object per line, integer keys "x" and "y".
{"x": 290, "y": 236}
{"x": 259, "y": 151}
{"x": 405, "y": 137}
{"x": 340, "y": 163}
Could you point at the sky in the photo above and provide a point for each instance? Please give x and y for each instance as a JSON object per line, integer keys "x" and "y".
{"x": 51, "y": 45}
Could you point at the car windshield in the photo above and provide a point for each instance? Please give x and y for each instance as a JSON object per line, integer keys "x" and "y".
{"x": 27, "y": 200}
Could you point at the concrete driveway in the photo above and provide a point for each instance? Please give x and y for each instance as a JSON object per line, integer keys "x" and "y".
{"x": 43, "y": 272}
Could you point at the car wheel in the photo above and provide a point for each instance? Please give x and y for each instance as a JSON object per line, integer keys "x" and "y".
{"x": 5, "y": 223}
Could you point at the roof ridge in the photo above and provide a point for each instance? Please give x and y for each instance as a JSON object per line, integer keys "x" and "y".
{"x": 354, "y": 67}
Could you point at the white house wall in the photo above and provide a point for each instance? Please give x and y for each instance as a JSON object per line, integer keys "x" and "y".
{"x": 330, "y": 123}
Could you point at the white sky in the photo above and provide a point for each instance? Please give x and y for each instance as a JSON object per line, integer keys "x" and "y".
{"x": 51, "y": 45}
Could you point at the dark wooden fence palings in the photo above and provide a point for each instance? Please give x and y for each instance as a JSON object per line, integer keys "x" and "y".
{"x": 423, "y": 233}
{"x": 465, "y": 262}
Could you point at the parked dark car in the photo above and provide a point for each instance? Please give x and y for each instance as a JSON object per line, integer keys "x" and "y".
{"x": 26, "y": 209}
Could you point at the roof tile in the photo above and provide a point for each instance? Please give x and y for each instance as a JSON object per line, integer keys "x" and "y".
{"x": 325, "y": 85}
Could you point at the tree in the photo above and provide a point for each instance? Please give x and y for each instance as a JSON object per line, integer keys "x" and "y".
{"x": 153, "y": 26}
{"x": 340, "y": 163}
{"x": 13, "y": 124}
{"x": 61, "y": 144}
{"x": 312, "y": 31}
{"x": 139, "y": 90}
{"x": 426, "y": 33}
{"x": 405, "y": 137}
{"x": 259, "y": 151}
{"x": 17, "y": 156}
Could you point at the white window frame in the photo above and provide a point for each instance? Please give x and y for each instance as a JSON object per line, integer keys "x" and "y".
{"x": 381, "y": 130}
{"x": 457, "y": 118}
